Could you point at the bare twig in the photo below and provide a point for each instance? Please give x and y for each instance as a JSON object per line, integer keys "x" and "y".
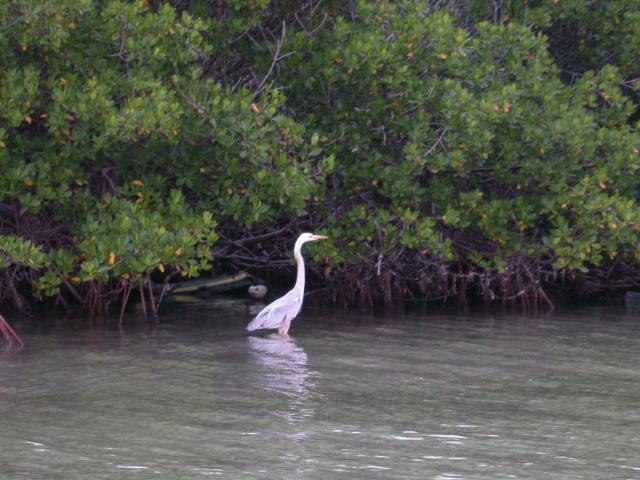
{"x": 438, "y": 141}
{"x": 310, "y": 33}
{"x": 11, "y": 24}
{"x": 276, "y": 58}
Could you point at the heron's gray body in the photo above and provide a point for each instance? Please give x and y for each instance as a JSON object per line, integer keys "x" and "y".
{"x": 280, "y": 312}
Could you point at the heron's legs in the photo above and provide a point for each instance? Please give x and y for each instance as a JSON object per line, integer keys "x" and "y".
{"x": 284, "y": 328}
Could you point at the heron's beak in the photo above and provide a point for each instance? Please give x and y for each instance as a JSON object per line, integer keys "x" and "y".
{"x": 319, "y": 237}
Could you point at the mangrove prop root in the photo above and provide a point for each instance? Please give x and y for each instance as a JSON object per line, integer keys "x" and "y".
{"x": 152, "y": 301}
{"x": 415, "y": 278}
{"x": 143, "y": 301}
{"x": 8, "y": 333}
{"x": 522, "y": 283}
{"x": 125, "y": 300}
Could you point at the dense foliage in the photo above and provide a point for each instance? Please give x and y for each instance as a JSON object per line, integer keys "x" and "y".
{"x": 443, "y": 146}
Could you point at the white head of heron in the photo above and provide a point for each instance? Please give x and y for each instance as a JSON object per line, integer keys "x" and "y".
{"x": 309, "y": 237}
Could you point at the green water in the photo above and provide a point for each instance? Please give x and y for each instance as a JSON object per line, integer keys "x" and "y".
{"x": 346, "y": 397}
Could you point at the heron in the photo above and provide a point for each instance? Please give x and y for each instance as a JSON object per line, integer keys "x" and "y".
{"x": 279, "y": 313}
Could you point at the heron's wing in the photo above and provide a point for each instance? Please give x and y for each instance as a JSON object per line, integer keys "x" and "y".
{"x": 274, "y": 314}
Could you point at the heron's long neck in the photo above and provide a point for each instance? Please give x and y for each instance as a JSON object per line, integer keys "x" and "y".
{"x": 299, "y": 286}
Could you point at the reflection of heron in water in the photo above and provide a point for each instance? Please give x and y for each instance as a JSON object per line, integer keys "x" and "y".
{"x": 286, "y": 363}
{"x": 286, "y": 373}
